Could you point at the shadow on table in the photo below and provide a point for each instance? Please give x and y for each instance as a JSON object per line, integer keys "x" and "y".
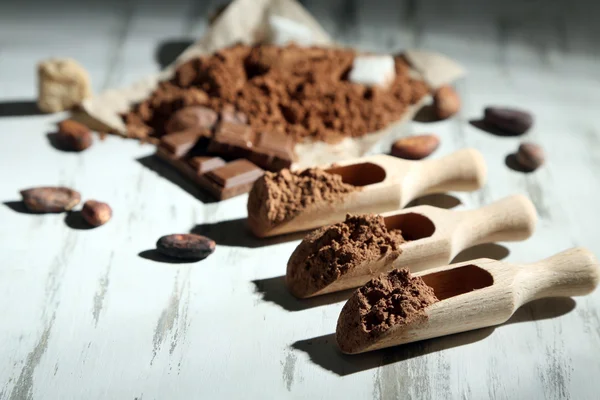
{"x": 426, "y": 114}
{"x": 53, "y": 140}
{"x": 274, "y": 290}
{"x": 55, "y": 143}
{"x": 484, "y": 126}
{"x": 169, "y": 173}
{"x": 512, "y": 163}
{"x": 168, "y": 50}
{"x": 154, "y": 255}
{"x": 235, "y": 233}
{"x": 75, "y": 220}
{"x": 494, "y": 251}
{"x": 19, "y": 108}
{"x": 18, "y": 206}
{"x": 541, "y": 309}
{"x": 324, "y": 352}
{"x": 440, "y": 200}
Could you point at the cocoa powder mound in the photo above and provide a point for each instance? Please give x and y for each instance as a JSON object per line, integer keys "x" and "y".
{"x": 395, "y": 298}
{"x": 277, "y": 197}
{"x": 297, "y": 91}
{"x": 330, "y": 252}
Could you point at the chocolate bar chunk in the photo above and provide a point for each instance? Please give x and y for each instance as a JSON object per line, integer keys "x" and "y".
{"x": 203, "y": 164}
{"x": 273, "y": 151}
{"x": 231, "y": 115}
{"x": 180, "y": 143}
{"x": 192, "y": 117}
{"x": 269, "y": 150}
{"x": 232, "y": 140}
{"x": 233, "y": 179}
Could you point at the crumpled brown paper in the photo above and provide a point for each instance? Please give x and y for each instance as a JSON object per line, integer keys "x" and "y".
{"x": 245, "y": 21}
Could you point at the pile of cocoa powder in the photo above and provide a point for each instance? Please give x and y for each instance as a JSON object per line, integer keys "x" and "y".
{"x": 395, "y": 298}
{"x": 330, "y": 252}
{"x": 277, "y": 197}
{"x": 300, "y": 92}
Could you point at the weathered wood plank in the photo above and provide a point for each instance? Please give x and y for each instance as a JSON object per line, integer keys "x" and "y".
{"x": 84, "y": 316}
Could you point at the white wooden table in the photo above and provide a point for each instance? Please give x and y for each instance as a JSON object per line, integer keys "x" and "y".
{"x": 85, "y": 316}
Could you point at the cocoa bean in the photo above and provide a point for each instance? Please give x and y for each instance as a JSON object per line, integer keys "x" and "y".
{"x": 96, "y": 213}
{"x": 510, "y": 120}
{"x": 186, "y": 246}
{"x": 446, "y": 102}
{"x": 73, "y": 136}
{"x": 50, "y": 199}
{"x": 415, "y": 147}
{"x": 530, "y": 156}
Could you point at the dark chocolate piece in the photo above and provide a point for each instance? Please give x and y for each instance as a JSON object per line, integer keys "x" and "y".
{"x": 235, "y": 173}
{"x": 233, "y": 179}
{"x": 180, "y": 143}
{"x": 273, "y": 151}
{"x": 192, "y": 117}
{"x": 203, "y": 164}
{"x": 231, "y": 115}
{"x": 232, "y": 140}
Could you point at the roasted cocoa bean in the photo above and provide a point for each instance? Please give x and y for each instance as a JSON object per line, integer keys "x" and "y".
{"x": 509, "y": 120}
{"x": 50, "y": 199}
{"x": 73, "y": 136}
{"x": 530, "y": 156}
{"x": 186, "y": 246}
{"x": 446, "y": 102}
{"x": 96, "y": 213}
{"x": 415, "y": 147}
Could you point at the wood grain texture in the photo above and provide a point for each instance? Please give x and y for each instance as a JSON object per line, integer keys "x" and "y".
{"x": 84, "y": 316}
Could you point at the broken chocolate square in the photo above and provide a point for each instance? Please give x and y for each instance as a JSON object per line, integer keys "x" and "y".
{"x": 203, "y": 164}
{"x": 231, "y": 115}
{"x": 273, "y": 151}
{"x": 232, "y": 140}
{"x": 232, "y": 179}
{"x": 180, "y": 143}
{"x": 192, "y": 118}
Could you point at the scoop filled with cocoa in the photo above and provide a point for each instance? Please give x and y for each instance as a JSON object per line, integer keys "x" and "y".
{"x": 397, "y": 307}
{"x": 350, "y": 253}
{"x": 293, "y": 201}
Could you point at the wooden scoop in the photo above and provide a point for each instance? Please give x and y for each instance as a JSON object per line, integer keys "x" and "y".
{"x": 476, "y": 294}
{"x": 435, "y": 237}
{"x": 387, "y": 183}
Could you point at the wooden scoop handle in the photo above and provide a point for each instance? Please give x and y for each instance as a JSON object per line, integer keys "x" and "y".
{"x": 463, "y": 170}
{"x": 573, "y": 272}
{"x": 507, "y": 220}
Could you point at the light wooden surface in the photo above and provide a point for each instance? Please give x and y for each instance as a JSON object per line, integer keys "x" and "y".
{"x": 84, "y": 317}
{"x": 481, "y": 293}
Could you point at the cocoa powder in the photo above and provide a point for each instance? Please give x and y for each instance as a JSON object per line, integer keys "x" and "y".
{"x": 330, "y": 252}
{"x": 300, "y": 92}
{"x": 392, "y": 299}
{"x": 278, "y": 197}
